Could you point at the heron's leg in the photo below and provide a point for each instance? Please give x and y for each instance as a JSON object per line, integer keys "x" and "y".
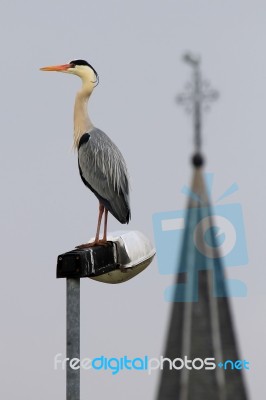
{"x": 101, "y": 210}
{"x": 96, "y": 240}
{"x": 104, "y": 239}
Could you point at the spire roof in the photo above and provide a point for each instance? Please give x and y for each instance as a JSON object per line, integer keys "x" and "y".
{"x": 201, "y": 324}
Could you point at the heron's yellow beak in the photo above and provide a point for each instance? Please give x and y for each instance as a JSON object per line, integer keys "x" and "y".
{"x": 58, "y": 68}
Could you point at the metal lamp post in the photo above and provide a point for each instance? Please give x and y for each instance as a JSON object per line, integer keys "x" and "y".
{"x": 122, "y": 258}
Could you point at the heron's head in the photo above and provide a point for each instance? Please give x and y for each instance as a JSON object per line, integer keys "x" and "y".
{"x": 81, "y": 68}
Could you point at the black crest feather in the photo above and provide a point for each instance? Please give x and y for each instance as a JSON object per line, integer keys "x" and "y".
{"x": 83, "y": 62}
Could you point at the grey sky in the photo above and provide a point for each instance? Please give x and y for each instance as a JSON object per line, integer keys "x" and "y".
{"x": 136, "y": 48}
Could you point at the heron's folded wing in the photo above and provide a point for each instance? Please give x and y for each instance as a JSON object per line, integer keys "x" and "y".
{"x": 103, "y": 169}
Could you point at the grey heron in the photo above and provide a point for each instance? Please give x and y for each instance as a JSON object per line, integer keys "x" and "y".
{"x": 101, "y": 165}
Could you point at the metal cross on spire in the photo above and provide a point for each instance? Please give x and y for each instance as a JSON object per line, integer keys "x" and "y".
{"x": 197, "y": 97}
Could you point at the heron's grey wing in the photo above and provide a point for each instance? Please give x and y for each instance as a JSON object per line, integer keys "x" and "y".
{"x": 103, "y": 169}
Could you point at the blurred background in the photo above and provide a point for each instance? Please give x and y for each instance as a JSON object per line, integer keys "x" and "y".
{"x": 136, "y": 47}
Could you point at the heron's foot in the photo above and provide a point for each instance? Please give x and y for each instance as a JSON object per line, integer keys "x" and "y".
{"x": 95, "y": 243}
{"x": 88, "y": 245}
{"x": 103, "y": 242}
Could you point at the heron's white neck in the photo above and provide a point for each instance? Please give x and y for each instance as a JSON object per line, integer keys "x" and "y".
{"x": 82, "y": 122}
